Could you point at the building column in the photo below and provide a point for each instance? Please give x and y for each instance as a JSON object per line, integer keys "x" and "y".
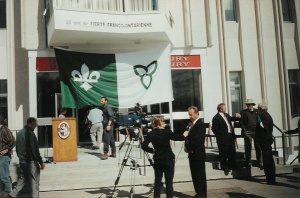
{"x": 11, "y": 93}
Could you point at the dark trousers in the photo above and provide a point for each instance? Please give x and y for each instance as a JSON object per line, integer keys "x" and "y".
{"x": 248, "y": 137}
{"x": 198, "y": 173}
{"x": 163, "y": 167}
{"x": 30, "y": 173}
{"x": 109, "y": 140}
{"x": 227, "y": 152}
{"x": 268, "y": 163}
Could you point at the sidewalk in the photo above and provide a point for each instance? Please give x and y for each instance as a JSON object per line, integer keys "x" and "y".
{"x": 91, "y": 177}
{"x": 288, "y": 185}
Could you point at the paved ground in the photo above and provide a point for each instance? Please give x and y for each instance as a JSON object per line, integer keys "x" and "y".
{"x": 90, "y": 177}
{"x": 287, "y": 185}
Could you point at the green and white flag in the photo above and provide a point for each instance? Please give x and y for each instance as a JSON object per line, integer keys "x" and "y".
{"x": 125, "y": 79}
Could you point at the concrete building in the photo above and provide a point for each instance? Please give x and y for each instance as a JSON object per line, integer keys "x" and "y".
{"x": 220, "y": 51}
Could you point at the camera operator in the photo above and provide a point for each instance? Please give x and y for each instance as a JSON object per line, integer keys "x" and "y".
{"x": 108, "y": 126}
{"x": 163, "y": 156}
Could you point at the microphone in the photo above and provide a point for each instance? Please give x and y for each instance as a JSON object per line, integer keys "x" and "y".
{"x": 188, "y": 127}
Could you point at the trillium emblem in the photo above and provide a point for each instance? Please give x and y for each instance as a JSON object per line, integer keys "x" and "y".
{"x": 145, "y": 73}
{"x": 86, "y": 77}
{"x": 64, "y": 130}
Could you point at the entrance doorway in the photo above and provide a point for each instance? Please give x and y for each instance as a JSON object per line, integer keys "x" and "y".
{"x": 49, "y": 105}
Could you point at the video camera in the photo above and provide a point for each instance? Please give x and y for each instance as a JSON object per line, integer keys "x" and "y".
{"x": 136, "y": 119}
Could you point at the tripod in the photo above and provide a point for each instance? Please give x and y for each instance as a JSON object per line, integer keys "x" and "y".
{"x": 133, "y": 167}
{"x": 46, "y": 145}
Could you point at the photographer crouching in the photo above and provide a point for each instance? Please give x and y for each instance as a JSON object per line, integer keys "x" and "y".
{"x": 163, "y": 156}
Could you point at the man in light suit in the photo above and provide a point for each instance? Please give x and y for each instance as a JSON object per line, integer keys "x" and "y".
{"x": 222, "y": 128}
{"x": 196, "y": 149}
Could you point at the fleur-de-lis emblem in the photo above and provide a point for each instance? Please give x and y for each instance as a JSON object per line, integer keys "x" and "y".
{"x": 145, "y": 73}
{"x": 86, "y": 77}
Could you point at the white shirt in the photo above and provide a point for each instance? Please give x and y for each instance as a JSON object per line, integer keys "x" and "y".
{"x": 225, "y": 118}
{"x": 195, "y": 121}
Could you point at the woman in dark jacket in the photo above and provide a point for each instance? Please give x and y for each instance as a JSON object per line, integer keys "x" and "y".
{"x": 163, "y": 156}
{"x": 264, "y": 135}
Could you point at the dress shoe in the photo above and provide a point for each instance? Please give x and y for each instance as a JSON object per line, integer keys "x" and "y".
{"x": 260, "y": 166}
{"x": 225, "y": 168}
{"x": 271, "y": 182}
{"x": 248, "y": 166}
{"x": 234, "y": 168}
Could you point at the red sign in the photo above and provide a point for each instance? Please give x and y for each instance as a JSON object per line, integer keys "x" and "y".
{"x": 177, "y": 62}
{"x": 46, "y": 64}
{"x": 185, "y": 61}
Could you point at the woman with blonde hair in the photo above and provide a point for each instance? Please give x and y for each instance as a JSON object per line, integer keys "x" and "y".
{"x": 163, "y": 156}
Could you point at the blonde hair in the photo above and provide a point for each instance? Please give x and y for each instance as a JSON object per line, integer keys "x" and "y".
{"x": 156, "y": 121}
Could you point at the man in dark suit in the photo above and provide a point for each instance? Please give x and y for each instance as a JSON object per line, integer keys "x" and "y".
{"x": 222, "y": 128}
{"x": 195, "y": 147}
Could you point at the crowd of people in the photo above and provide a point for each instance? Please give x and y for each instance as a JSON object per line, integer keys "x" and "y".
{"x": 256, "y": 126}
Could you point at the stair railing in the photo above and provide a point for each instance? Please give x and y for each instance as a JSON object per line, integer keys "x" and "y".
{"x": 283, "y": 143}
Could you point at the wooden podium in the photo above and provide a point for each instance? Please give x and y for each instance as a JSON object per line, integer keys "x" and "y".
{"x": 64, "y": 139}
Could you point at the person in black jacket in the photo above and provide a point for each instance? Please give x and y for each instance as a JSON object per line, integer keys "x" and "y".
{"x": 264, "y": 137}
{"x": 108, "y": 130}
{"x": 30, "y": 159}
{"x": 248, "y": 123}
{"x": 294, "y": 131}
{"x": 163, "y": 155}
{"x": 195, "y": 147}
{"x": 222, "y": 128}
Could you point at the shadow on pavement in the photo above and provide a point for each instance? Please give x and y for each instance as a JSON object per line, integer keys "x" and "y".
{"x": 292, "y": 179}
{"x": 243, "y": 195}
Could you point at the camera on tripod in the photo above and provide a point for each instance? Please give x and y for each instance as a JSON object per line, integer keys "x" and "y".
{"x": 131, "y": 123}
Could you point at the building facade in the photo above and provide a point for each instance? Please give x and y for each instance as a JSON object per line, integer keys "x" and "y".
{"x": 220, "y": 51}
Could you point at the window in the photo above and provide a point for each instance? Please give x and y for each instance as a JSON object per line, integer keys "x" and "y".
{"x": 3, "y": 98}
{"x": 230, "y": 10}
{"x": 187, "y": 92}
{"x": 294, "y": 86}
{"x": 186, "y": 89}
{"x": 288, "y": 10}
{"x": 236, "y": 92}
{"x": 154, "y": 5}
{"x": 2, "y": 13}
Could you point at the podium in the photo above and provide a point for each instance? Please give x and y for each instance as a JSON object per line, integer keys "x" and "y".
{"x": 64, "y": 139}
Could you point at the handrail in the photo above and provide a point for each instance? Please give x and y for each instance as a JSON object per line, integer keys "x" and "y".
{"x": 283, "y": 143}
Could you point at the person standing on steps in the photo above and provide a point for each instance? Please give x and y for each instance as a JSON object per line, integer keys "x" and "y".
{"x": 264, "y": 138}
{"x": 248, "y": 123}
{"x": 7, "y": 143}
{"x": 108, "y": 128}
{"x": 223, "y": 129}
{"x": 95, "y": 116}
